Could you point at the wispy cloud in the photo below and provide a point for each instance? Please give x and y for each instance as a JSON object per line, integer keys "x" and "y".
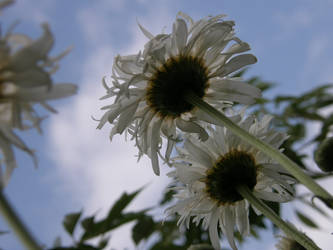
{"x": 95, "y": 170}
{"x": 293, "y": 21}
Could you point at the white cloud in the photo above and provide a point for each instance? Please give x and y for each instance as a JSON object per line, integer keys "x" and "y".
{"x": 95, "y": 170}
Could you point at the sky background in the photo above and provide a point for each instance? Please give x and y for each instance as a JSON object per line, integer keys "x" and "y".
{"x": 78, "y": 166}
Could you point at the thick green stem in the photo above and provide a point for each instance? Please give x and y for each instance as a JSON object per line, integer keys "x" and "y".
{"x": 16, "y": 224}
{"x": 287, "y": 228}
{"x": 275, "y": 154}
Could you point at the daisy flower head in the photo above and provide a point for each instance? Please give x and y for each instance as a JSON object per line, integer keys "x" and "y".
{"x": 211, "y": 171}
{"x": 150, "y": 88}
{"x": 25, "y": 79}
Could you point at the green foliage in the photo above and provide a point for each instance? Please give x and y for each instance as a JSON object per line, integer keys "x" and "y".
{"x": 70, "y": 222}
{"x": 144, "y": 227}
{"x": 292, "y": 115}
{"x": 306, "y": 220}
{"x": 92, "y": 228}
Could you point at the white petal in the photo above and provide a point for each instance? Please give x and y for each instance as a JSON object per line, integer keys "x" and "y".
{"x": 231, "y": 86}
{"x": 37, "y": 50}
{"x": 31, "y": 77}
{"x": 187, "y": 174}
{"x": 234, "y": 97}
{"x": 235, "y": 63}
{"x": 126, "y": 117}
{"x": 155, "y": 138}
{"x": 270, "y": 196}
{"x": 242, "y": 218}
{"x": 180, "y": 34}
{"x": 197, "y": 153}
{"x": 237, "y": 48}
{"x": 145, "y": 32}
{"x": 213, "y": 233}
{"x": 229, "y": 224}
{"x": 57, "y": 91}
{"x": 192, "y": 127}
{"x": 203, "y": 116}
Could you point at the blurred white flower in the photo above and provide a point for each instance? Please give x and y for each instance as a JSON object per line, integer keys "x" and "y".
{"x": 5, "y": 3}
{"x": 211, "y": 171}
{"x": 25, "y": 79}
{"x": 150, "y": 88}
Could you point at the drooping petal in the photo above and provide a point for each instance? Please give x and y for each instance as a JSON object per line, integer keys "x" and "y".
{"x": 228, "y": 225}
{"x": 213, "y": 233}
{"x": 242, "y": 217}
{"x": 36, "y": 51}
{"x": 192, "y": 127}
{"x": 180, "y": 34}
{"x": 61, "y": 90}
{"x": 235, "y": 64}
{"x": 155, "y": 138}
{"x": 198, "y": 154}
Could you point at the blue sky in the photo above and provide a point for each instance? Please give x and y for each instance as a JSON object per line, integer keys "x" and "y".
{"x": 78, "y": 166}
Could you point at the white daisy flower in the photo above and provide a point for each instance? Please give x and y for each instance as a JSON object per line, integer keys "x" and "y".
{"x": 212, "y": 170}
{"x": 149, "y": 88}
{"x": 25, "y": 79}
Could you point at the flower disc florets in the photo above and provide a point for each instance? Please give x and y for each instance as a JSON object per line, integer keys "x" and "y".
{"x": 231, "y": 170}
{"x": 170, "y": 84}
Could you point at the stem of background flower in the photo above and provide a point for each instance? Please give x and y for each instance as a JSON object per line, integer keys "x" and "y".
{"x": 275, "y": 154}
{"x": 16, "y": 224}
{"x": 287, "y": 228}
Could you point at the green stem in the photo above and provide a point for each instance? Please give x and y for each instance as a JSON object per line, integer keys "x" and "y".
{"x": 275, "y": 154}
{"x": 16, "y": 224}
{"x": 287, "y": 228}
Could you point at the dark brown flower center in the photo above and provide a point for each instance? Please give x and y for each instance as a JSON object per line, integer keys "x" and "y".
{"x": 177, "y": 77}
{"x": 232, "y": 170}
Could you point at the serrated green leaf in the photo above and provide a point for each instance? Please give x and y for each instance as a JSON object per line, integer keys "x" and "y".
{"x": 103, "y": 243}
{"x": 70, "y": 221}
{"x": 306, "y": 220}
{"x": 143, "y": 229}
{"x": 106, "y": 225}
{"x": 114, "y": 219}
{"x": 88, "y": 223}
{"x": 122, "y": 203}
{"x": 167, "y": 197}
